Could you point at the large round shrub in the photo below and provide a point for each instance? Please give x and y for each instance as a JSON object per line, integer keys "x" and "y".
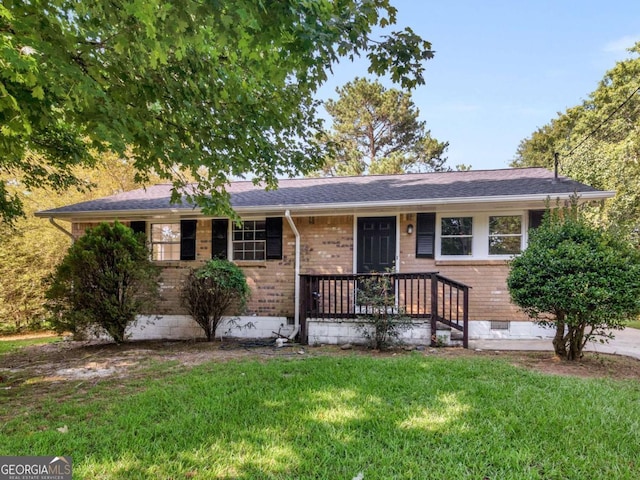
{"x": 103, "y": 282}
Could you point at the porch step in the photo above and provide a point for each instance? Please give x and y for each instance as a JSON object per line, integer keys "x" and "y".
{"x": 456, "y": 335}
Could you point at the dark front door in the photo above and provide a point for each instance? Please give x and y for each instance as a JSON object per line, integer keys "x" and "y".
{"x": 376, "y": 244}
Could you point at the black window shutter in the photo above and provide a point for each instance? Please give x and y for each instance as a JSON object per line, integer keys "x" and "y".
{"x": 219, "y": 238}
{"x": 535, "y": 218}
{"x": 274, "y": 238}
{"x": 425, "y": 235}
{"x": 138, "y": 227}
{"x": 188, "y": 239}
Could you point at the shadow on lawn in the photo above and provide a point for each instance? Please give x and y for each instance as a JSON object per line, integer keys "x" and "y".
{"x": 404, "y": 417}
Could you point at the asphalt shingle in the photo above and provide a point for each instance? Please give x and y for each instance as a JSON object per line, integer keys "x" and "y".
{"x": 327, "y": 191}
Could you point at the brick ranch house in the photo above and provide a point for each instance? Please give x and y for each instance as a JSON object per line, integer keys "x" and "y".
{"x": 305, "y": 247}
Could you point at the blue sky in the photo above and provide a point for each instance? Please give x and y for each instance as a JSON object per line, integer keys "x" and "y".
{"x": 504, "y": 68}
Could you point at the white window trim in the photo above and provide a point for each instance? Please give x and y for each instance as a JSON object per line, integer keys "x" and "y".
{"x": 149, "y": 232}
{"x": 231, "y": 242}
{"x": 480, "y": 234}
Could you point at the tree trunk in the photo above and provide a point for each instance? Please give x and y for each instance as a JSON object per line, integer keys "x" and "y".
{"x": 210, "y": 331}
{"x": 559, "y": 345}
{"x": 576, "y": 343}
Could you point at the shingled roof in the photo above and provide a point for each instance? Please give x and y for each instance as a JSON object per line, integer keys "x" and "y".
{"x": 335, "y": 193}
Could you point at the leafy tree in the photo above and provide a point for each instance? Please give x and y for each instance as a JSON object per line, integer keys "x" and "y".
{"x": 211, "y": 290}
{"x": 599, "y": 143}
{"x": 206, "y": 90}
{"x": 376, "y": 130}
{"x": 32, "y": 248}
{"x": 103, "y": 282}
{"x": 580, "y": 279}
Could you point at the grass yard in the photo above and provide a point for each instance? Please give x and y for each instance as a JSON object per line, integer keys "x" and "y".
{"x": 413, "y": 416}
{"x": 634, "y": 324}
{"x": 12, "y": 344}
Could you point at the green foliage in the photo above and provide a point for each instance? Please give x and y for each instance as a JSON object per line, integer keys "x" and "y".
{"x": 599, "y": 144}
{"x": 207, "y": 90}
{"x": 578, "y": 278}
{"x": 103, "y": 282}
{"x": 377, "y": 131}
{"x": 380, "y": 320}
{"x": 32, "y": 248}
{"x": 211, "y": 290}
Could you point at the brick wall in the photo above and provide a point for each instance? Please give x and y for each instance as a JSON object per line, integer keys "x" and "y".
{"x": 326, "y": 244}
{"x": 327, "y": 247}
{"x": 489, "y": 296}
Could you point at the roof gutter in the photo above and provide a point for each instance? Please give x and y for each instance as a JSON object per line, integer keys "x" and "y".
{"x": 296, "y": 318}
{"x": 62, "y": 229}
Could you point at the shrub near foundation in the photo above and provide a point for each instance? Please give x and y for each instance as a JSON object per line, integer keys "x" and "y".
{"x": 577, "y": 278}
{"x": 211, "y": 291}
{"x": 382, "y": 322}
{"x": 103, "y": 282}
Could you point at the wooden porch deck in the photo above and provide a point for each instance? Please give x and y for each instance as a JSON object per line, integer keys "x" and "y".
{"x": 425, "y": 296}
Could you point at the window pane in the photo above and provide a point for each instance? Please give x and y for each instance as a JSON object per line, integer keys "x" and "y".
{"x": 456, "y": 246}
{"x": 501, "y": 245}
{"x": 165, "y": 241}
{"x": 457, "y": 226}
{"x": 166, "y": 251}
{"x": 503, "y": 225}
{"x": 165, "y": 232}
{"x": 249, "y": 240}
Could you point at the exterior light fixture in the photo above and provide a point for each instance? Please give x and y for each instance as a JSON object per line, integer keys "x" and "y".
{"x": 410, "y": 228}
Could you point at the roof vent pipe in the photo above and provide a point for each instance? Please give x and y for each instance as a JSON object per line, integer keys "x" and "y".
{"x": 556, "y": 162}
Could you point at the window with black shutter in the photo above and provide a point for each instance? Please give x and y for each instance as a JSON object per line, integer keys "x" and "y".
{"x": 165, "y": 241}
{"x": 138, "y": 227}
{"x": 425, "y": 235}
{"x": 535, "y": 218}
{"x": 219, "y": 238}
{"x": 274, "y": 238}
{"x": 188, "y": 239}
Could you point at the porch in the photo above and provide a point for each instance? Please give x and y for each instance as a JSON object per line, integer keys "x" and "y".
{"x": 427, "y": 297}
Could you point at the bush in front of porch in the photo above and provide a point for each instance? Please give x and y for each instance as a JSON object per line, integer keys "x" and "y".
{"x": 381, "y": 321}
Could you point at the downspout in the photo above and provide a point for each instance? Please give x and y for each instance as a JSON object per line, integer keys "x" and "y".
{"x": 62, "y": 229}
{"x": 296, "y": 315}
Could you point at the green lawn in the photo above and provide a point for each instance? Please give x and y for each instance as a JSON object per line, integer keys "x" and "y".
{"x": 634, "y": 324}
{"x": 7, "y": 346}
{"x": 332, "y": 417}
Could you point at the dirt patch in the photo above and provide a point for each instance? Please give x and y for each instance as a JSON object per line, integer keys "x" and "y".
{"x": 92, "y": 361}
{"x": 69, "y": 360}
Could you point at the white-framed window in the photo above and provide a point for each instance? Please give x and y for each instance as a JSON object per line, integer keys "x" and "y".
{"x": 165, "y": 241}
{"x": 480, "y": 235}
{"x": 505, "y": 234}
{"x": 456, "y": 236}
{"x": 249, "y": 240}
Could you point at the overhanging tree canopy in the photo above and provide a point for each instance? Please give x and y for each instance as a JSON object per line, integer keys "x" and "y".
{"x": 599, "y": 143}
{"x": 214, "y": 89}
